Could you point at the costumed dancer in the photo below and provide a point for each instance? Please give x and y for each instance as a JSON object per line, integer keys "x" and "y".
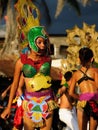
{"x": 34, "y": 66}
{"x": 87, "y": 79}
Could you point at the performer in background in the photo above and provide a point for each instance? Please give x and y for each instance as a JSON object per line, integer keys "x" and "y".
{"x": 67, "y": 110}
{"x": 87, "y": 79}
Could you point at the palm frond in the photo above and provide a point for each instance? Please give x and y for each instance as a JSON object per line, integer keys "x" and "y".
{"x": 59, "y": 8}
{"x": 75, "y": 5}
{"x": 61, "y": 4}
{"x": 84, "y": 2}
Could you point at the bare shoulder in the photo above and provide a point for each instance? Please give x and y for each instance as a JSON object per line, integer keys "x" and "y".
{"x": 95, "y": 70}
{"x": 18, "y": 62}
{"x": 75, "y": 75}
{"x": 18, "y": 65}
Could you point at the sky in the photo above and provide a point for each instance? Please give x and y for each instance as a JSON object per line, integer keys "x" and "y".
{"x": 68, "y": 17}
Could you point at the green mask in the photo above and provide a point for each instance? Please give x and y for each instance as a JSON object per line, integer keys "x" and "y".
{"x": 33, "y": 34}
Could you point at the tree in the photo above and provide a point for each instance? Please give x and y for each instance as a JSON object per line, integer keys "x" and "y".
{"x": 11, "y": 41}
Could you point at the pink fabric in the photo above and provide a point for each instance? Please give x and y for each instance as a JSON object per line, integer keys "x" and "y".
{"x": 88, "y": 96}
{"x": 40, "y": 94}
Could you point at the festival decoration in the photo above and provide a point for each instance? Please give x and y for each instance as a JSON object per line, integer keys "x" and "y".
{"x": 77, "y": 38}
{"x": 40, "y": 81}
{"x": 28, "y": 17}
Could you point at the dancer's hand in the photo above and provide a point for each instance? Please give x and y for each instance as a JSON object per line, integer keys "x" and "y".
{"x": 6, "y": 113}
{"x": 3, "y": 95}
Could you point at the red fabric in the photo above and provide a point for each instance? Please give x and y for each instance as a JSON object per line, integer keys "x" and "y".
{"x": 18, "y": 117}
{"x": 26, "y": 60}
{"x": 94, "y": 107}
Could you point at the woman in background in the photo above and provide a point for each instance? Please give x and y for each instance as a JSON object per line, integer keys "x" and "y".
{"x": 87, "y": 79}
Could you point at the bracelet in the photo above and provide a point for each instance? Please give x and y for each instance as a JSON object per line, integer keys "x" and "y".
{"x": 66, "y": 85}
{"x": 58, "y": 95}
